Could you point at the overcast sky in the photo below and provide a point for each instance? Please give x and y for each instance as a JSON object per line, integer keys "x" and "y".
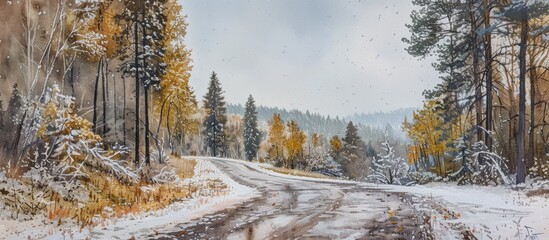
{"x": 331, "y": 57}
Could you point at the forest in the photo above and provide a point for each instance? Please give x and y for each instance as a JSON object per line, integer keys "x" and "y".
{"x": 488, "y": 114}
{"x": 99, "y": 119}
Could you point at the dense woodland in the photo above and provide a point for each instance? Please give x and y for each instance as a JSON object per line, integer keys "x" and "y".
{"x": 99, "y": 96}
{"x": 489, "y": 112}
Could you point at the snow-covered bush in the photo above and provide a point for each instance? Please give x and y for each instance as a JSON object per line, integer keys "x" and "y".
{"x": 422, "y": 177}
{"x": 328, "y": 166}
{"x": 541, "y": 167}
{"x": 387, "y": 168}
{"x": 66, "y": 141}
{"x": 34, "y": 190}
{"x": 479, "y": 165}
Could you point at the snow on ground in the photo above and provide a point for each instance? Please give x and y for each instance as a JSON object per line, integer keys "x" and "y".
{"x": 206, "y": 200}
{"x": 488, "y": 212}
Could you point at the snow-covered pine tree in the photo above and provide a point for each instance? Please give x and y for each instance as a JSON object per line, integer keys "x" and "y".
{"x": 142, "y": 54}
{"x": 252, "y": 136}
{"x": 353, "y": 161}
{"x": 216, "y": 118}
{"x": 479, "y": 165}
{"x": 387, "y": 168}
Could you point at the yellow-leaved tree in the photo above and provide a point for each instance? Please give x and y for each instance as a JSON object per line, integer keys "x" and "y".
{"x": 276, "y": 139}
{"x": 294, "y": 144}
{"x": 176, "y": 106}
{"x": 429, "y": 142}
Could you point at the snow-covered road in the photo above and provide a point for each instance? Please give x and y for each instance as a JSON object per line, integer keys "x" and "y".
{"x": 292, "y": 207}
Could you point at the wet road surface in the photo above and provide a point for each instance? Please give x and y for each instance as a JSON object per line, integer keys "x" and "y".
{"x": 306, "y": 209}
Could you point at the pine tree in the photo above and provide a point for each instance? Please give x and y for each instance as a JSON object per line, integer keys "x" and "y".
{"x": 252, "y": 136}
{"x": 353, "y": 162}
{"x": 216, "y": 118}
{"x": 351, "y": 139}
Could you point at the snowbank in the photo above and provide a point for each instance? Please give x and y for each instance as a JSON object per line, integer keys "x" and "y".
{"x": 215, "y": 192}
{"x": 488, "y": 212}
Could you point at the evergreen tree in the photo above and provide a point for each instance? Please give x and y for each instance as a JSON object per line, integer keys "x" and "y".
{"x": 351, "y": 139}
{"x": 216, "y": 119}
{"x": 353, "y": 162}
{"x": 252, "y": 136}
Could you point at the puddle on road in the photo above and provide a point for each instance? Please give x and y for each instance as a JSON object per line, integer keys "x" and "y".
{"x": 262, "y": 229}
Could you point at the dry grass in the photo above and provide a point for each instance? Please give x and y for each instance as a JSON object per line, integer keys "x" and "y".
{"x": 538, "y": 192}
{"x": 110, "y": 198}
{"x": 301, "y": 173}
{"x": 183, "y": 167}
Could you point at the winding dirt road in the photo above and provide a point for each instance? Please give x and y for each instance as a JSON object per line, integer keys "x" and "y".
{"x": 290, "y": 208}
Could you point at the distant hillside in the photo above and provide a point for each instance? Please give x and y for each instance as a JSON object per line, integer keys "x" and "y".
{"x": 314, "y": 122}
{"x": 380, "y": 119}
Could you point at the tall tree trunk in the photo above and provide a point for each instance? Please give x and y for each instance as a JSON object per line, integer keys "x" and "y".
{"x": 136, "y": 43}
{"x": 124, "y": 111}
{"x": 115, "y": 109}
{"x": 147, "y": 151}
{"x": 71, "y": 81}
{"x": 531, "y": 134}
{"x": 476, "y": 77}
{"x": 521, "y": 170}
{"x": 146, "y": 83}
{"x": 488, "y": 66}
{"x": 105, "y": 92}
{"x": 95, "y": 94}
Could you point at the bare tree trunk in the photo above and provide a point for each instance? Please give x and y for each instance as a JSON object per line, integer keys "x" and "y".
{"x": 476, "y": 78}
{"x": 147, "y": 151}
{"x": 115, "y": 109}
{"x": 488, "y": 66}
{"x": 531, "y": 134}
{"x": 104, "y": 79}
{"x": 96, "y": 92}
{"x": 146, "y": 87}
{"x": 124, "y": 111}
{"x": 521, "y": 170}
{"x": 71, "y": 81}
{"x": 136, "y": 43}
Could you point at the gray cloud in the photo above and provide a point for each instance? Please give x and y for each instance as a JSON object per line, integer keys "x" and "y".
{"x": 332, "y": 57}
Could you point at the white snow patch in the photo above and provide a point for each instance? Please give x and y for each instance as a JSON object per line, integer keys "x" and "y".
{"x": 489, "y": 212}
